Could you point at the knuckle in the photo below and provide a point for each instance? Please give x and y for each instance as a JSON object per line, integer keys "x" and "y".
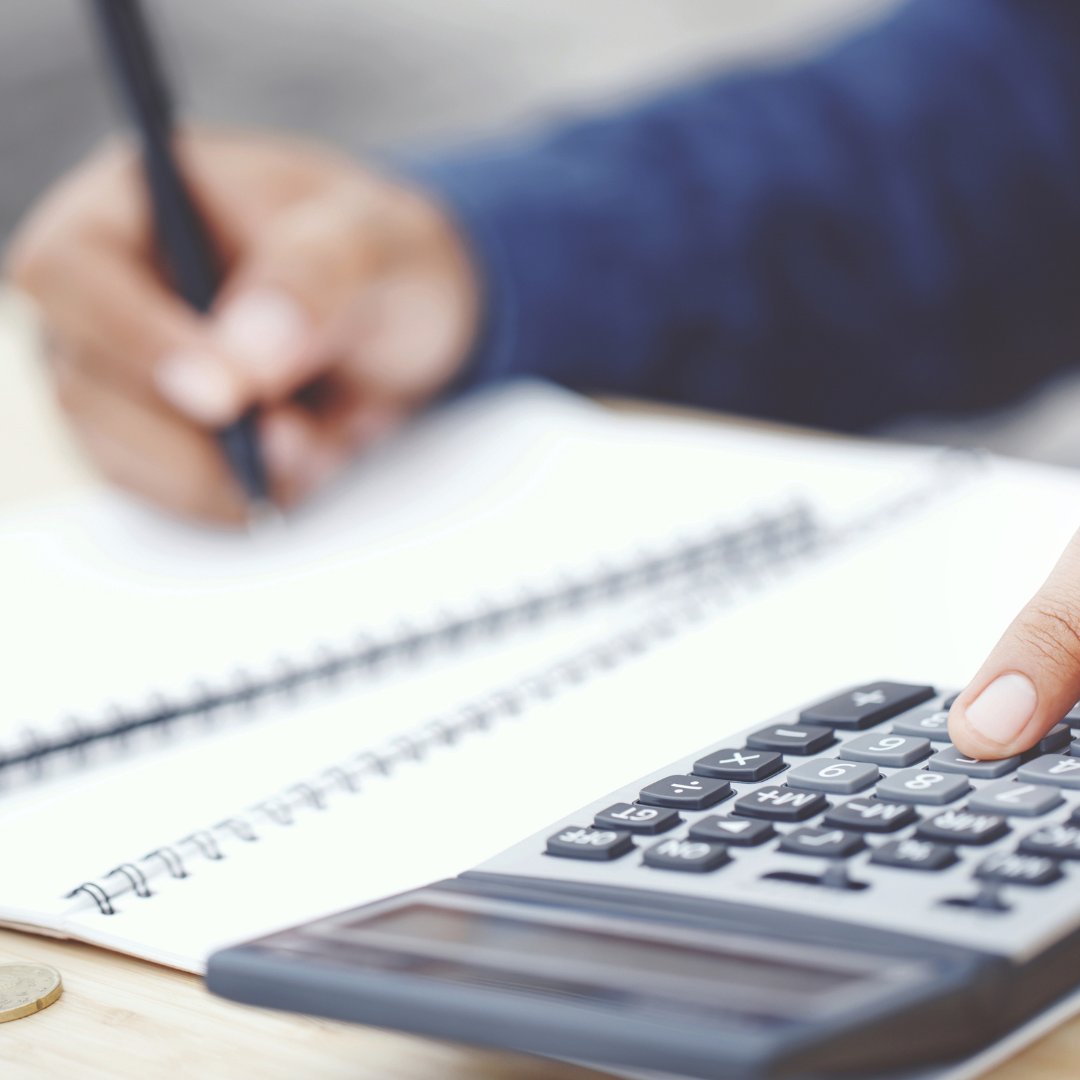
{"x": 1051, "y": 628}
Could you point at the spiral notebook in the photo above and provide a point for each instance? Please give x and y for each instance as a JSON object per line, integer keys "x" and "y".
{"x": 660, "y": 583}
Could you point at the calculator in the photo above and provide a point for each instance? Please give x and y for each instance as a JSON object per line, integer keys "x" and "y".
{"x": 836, "y": 892}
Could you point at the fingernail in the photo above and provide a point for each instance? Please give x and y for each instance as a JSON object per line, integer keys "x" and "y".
{"x": 1003, "y": 709}
{"x": 264, "y": 330}
{"x": 199, "y": 385}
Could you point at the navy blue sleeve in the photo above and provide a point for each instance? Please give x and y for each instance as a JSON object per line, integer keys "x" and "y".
{"x": 893, "y": 226}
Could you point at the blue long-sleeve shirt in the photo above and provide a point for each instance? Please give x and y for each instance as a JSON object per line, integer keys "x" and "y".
{"x": 893, "y": 226}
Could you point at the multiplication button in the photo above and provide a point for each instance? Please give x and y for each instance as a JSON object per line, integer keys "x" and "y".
{"x": 575, "y": 842}
{"x": 685, "y": 792}
{"x": 823, "y": 842}
{"x": 745, "y": 765}
{"x": 792, "y": 738}
{"x": 922, "y": 786}
{"x": 743, "y": 832}
{"x": 892, "y": 751}
{"x": 963, "y": 827}
{"x": 1015, "y": 799}
{"x": 869, "y": 814}
{"x": 951, "y": 760}
{"x": 648, "y": 820}
{"x": 695, "y": 856}
{"x": 914, "y": 855}
{"x": 780, "y": 804}
{"x": 834, "y": 776}
{"x": 867, "y": 705}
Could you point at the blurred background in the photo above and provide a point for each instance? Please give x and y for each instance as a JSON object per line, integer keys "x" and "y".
{"x": 385, "y": 75}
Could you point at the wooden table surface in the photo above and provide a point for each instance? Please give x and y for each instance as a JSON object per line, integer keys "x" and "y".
{"x": 126, "y": 1019}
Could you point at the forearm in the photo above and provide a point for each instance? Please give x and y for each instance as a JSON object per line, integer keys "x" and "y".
{"x": 893, "y": 226}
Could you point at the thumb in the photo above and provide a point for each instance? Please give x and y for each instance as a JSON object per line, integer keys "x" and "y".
{"x": 1032, "y": 677}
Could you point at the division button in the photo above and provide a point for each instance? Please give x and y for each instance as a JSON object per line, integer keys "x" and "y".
{"x": 746, "y": 765}
{"x": 1054, "y": 741}
{"x": 575, "y": 842}
{"x": 792, "y": 738}
{"x": 696, "y": 856}
{"x": 743, "y": 832}
{"x": 923, "y": 786}
{"x": 1060, "y": 770}
{"x": 963, "y": 827}
{"x": 951, "y": 760}
{"x": 835, "y": 776}
{"x": 866, "y": 705}
{"x": 892, "y": 751}
{"x": 1014, "y": 798}
{"x": 685, "y": 792}
{"x": 869, "y": 814}
{"x": 1057, "y": 841}
{"x": 780, "y": 804}
{"x": 1014, "y": 869}
{"x": 914, "y": 855}
{"x": 637, "y": 819}
{"x": 931, "y": 722}
{"x": 823, "y": 842}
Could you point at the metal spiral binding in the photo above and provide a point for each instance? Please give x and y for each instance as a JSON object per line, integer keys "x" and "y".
{"x": 709, "y": 592}
{"x": 736, "y": 551}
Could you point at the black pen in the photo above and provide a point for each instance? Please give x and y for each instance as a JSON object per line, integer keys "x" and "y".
{"x": 182, "y": 238}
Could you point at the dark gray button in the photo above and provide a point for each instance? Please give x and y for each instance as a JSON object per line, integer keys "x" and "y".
{"x": 893, "y": 751}
{"x": 825, "y": 843}
{"x": 947, "y": 704}
{"x": 792, "y": 738}
{"x": 923, "y": 786}
{"x": 951, "y": 760}
{"x": 745, "y": 764}
{"x": 1014, "y": 798}
{"x": 636, "y": 818}
{"x": 865, "y": 706}
{"x": 1074, "y": 748}
{"x": 870, "y": 815}
{"x": 780, "y": 804}
{"x": 1057, "y": 841}
{"x": 685, "y": 792}
{"x": 835, "y": 776}
{"x": 963, "y": 827}
{"x": 1061, "y": 770}
{"x": 695, "y": 856}
{"x": 744, "y": 832}
{"x": 931, "y": 723}
{"x": 1054, "y": 741}
{"x": 575, "y": 842}
{"x": 1015, "y": 869}
{"x": 914, "y": 855}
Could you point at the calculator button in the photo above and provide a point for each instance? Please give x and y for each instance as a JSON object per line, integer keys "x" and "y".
{"x": 743, "y": 832}
{"x": 866, "y": 705}
{"x": 1054, "y": 741}
{"x": 1014, "y": 798}
{"x": 1057, "y": 769}
{"x": 823, "y": 842}
{"x": 923, "y": 786}
{"x": 1013, "y": 869}
{"x": 746, "y": 765}
{"x": 951, "y": 760}
{"x": 696, "y": 856}
{"x": 792, "y": 738}
{"x": 637, "y": 819}
{"x": 575, "y": 842}
{"x": 1057, "y": 841}
{"x": 835, "y": 776}
{"x": 870, "y": 814}
{"x": 685, "y": 792}
{"x": 892, "y": 751}
{"x": 963, "y": 827}
{"x": 947, "y": 704}
{"x": 914, "y": 855}
{"x": 931, "y": 722}
{"x": 780, "y": 804}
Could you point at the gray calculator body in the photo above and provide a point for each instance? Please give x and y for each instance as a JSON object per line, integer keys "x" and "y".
{"x": 836, "y": 892}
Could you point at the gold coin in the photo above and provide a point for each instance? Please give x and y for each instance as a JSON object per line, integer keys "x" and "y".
{"x": 26, "y": 989}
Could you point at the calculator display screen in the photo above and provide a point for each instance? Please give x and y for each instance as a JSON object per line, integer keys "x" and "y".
{"x": 696, "y": 971}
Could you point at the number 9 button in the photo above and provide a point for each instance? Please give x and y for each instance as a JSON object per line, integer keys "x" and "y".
{"x": 892, "y": 751}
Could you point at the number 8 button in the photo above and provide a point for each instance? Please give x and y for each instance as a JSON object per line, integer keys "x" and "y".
{"x": 923, "y": 786}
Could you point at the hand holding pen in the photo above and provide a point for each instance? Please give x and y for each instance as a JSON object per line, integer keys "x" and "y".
{"x": 345, "y": 301}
